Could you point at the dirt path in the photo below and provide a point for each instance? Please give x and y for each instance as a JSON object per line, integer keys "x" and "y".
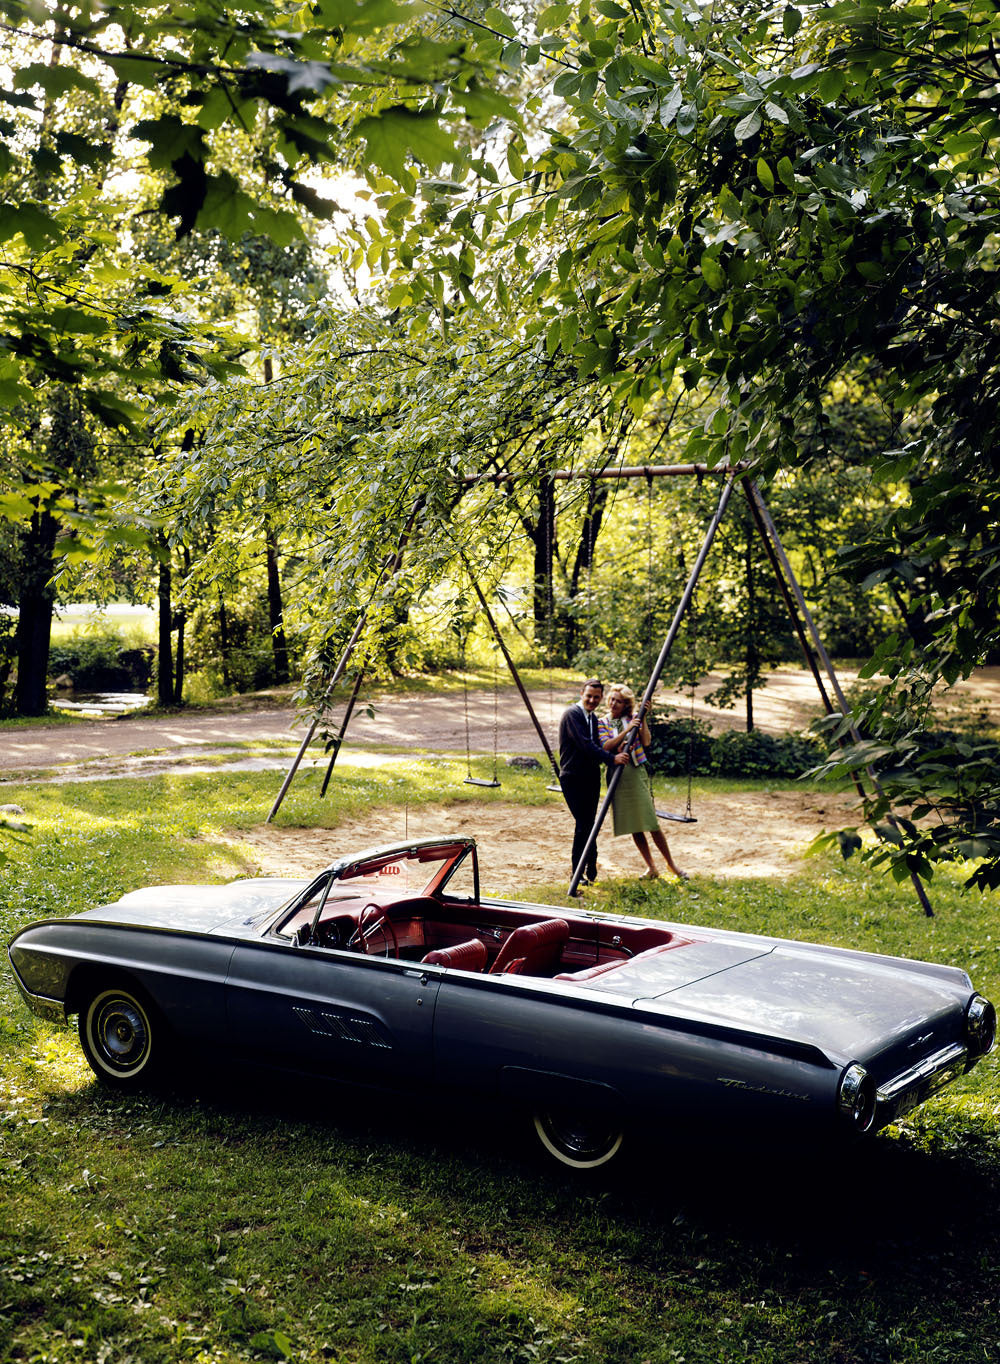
{"x": 427, "y": 723}
{"x": 431, "y": 723}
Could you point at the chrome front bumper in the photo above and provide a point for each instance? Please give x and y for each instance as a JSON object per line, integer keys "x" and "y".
{"x": 53, "y": 1010}
{"x": 913, "y": 1086}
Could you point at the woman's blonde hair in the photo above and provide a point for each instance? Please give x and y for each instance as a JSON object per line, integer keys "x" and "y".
{"x": 626, "y": 694}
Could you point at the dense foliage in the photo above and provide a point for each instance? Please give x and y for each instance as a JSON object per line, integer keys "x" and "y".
{"x": 704, "y": 229}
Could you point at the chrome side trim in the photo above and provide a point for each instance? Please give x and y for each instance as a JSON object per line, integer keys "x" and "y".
{"x": 910, "y": 1087}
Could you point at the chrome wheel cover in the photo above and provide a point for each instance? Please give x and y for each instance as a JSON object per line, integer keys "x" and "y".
{"x": 119, "y": 1033}
{"x": 581, "y": 1140}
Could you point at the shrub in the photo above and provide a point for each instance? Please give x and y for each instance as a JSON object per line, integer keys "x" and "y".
{"x": 102, "y": 660}
{"x": 737, "y": 753}
{"x": 244, "y": 660}
{"x": 681, "y": 745}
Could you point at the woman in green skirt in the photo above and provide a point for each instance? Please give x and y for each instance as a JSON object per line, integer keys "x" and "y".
{"x": 632, "y": 806}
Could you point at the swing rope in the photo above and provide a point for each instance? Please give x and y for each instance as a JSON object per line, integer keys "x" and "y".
{"x": 470, "y": 780}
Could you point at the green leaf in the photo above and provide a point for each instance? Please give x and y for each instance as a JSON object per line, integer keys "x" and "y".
{"x": 687, "y": 119}
{"x": 747, "y": 126}
{"x": 362, "y": 16}
{"x": 497, "y": 19}
{"x": 216, "y": 107}
{"x": 764, "y": 174}
{"x": 713, "y": 273}
{"x": 652, "y": 71}
{"x": 482, "y": 104}
{"x": 34, "y": 225}
{"x": 670, "y": 106}
{"x": 137, "y": 72}
{"x": 171, "y": 139}
{"x": 78, "y": 322}
{"x": 12, "y": 394}
{"x": 552, "y": 18}
{"x": 791, "y": 21}
{"x": 232, "y": 212}
{"x": 15, "y": 507}
{"x": 831, "y": 86}
{"x": 397, "y": 130}
{"x": 81, "y": 149}
{"x": 54, "y": 80}
{"x": 729, "y": 204}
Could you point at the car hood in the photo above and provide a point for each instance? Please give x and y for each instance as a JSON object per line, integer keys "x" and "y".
{"x": 850, "y": 1009}
{"x": 198, "y": 909}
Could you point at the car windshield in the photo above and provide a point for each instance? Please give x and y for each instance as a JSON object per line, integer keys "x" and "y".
{"x": 384, "y": 876}
{"x": 404, "y": 871}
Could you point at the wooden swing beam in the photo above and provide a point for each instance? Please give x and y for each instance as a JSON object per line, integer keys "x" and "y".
{"x": 633, "y": 471}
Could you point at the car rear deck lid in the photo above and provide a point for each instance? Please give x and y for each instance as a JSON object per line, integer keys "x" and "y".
{"x": 651, "y": 974}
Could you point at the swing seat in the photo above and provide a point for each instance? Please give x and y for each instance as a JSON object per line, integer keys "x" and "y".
{"x": 480, "y": 781}
{"x": 554, "y": 786}
{"x": 677, "y": 819}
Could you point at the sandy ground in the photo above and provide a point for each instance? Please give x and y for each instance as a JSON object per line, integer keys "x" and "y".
{"x": 750, "y": 834}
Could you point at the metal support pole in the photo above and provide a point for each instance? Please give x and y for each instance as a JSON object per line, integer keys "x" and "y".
{"x": 793, "y": 615}
{"x": 389, "y": 567}
{"x": 765, "y": 515}
{"x": 341, "y": 665}
{"x": 335, "y": 751}
{"x": 658, "y": 667}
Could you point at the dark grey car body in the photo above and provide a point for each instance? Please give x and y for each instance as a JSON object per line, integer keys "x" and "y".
{"x": 629, "y": 1020}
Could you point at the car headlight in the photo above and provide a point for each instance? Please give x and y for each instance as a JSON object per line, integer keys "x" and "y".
{"x": 856, "y": 1097}
{"x": 980, "y": 1026}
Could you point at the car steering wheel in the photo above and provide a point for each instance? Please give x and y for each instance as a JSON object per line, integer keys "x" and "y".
{"x": 379, "y": 923}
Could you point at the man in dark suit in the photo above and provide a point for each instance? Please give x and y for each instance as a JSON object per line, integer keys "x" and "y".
{"x": 581, "y": 759}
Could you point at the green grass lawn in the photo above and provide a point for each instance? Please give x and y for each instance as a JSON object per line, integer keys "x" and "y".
{"x": 243, "y": 1217}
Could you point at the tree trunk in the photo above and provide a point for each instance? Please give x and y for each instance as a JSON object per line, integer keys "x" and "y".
{"x": 34, "y": 624}
{"x": 584, "y": 562}
{"x": 752, "y": 654}
{"x": 179, "y": 659}
{"x": 180, "y": 621}
{"x": 275, "y": 607}
{"x": 544, "y": 559}
{"x": 223, "y": 620}
{"x": 164, "y": 659}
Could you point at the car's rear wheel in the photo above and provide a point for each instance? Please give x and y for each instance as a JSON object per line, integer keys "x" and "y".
{"x": 583, "y": 1141}
{"x": 122, "y": 1038}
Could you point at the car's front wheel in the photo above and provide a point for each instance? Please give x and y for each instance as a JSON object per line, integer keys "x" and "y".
{"x": 122, "y": 1038}
{"x": 583, "y": 1141}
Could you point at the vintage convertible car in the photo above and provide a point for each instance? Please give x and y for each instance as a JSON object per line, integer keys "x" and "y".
{"x": 390, "y": 967}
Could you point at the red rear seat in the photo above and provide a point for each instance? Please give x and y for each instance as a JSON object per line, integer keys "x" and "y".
{"x": 589, "y": 972}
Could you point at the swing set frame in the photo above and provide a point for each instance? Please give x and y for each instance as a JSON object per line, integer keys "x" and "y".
{"x": 810, "y": 643}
